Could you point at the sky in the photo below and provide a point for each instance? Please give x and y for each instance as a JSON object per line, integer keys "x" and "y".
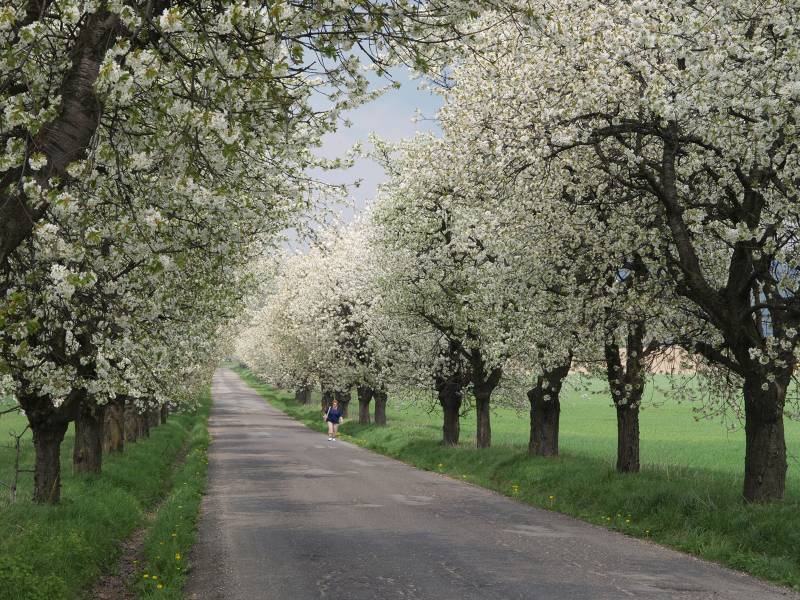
{"x": 391, "y": 118}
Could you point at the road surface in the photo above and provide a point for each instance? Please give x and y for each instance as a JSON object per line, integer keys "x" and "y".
{"x": 290, "y": 515}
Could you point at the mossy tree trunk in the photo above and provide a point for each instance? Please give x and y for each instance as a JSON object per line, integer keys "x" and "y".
{"x": 114, "y": 427}
{"x": 380, "y": 407}
{"x": 365, "y": 395}
{"x": 545, "y": 411}
{"x": 87, "y": 453}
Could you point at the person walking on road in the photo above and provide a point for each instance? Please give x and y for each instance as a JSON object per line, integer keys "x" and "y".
{"x": 333, "y": 417}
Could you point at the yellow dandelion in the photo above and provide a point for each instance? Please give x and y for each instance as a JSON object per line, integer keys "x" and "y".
{"x": 177, "y": 556}
{"x": 145, "y": 576}
{"x": 159, "y": 587}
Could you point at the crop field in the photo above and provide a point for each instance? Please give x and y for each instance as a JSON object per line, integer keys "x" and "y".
{"x": 673, "y": 434}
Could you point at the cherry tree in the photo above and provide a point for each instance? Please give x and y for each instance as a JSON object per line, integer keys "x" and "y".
{"x": 439, "y": 270}
{"x": 688, "y": 111}
{"x": 90, "y": 91}
{"x": 314, "y": 326}
{"x": 578, "y": 264}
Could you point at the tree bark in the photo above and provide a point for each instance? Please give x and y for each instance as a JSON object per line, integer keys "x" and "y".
{"x": 365, "y": 395}
{"x": 344, "y": 401}
{"x": 327, "y": 399}
{"x": 87, "y": 453}
{"x": 131, "y": 421}
{"x": 48, "y": 424}
{"x": 153, "y": 416}
{"x": 114, "y": 426}
{"x": 143, "y": 425}
{"x": 484, "y": 431}
{"x": 628, "y": 437}
{"x": 47, "y": 438}
{"x": 164, "y": 413}
{"x": 545, "y": 400}
{"x": 303, "y": 395}
{"x": 66, "y": 138}
{"x": 449, "y": 384}
{"x": 544, "y": 423}
{"x": 450, "y": 400}
{"x": 483, "y": 384}
{"x": 380, "y": 408}
{"x": 765, "y": 446}
{"x": 627, "y": 386}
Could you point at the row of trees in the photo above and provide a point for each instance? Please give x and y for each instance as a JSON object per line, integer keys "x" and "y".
{"x": 613, "y": 180}
{"x": 149, "y": 153}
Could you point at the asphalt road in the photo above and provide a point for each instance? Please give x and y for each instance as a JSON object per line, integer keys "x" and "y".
{"x": 290, "y": 515}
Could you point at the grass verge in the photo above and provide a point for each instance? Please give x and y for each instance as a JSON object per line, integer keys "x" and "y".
{"x": 174, "y": 529}
{"x": 695, "y": 510}
{"x": 59, "y": 551}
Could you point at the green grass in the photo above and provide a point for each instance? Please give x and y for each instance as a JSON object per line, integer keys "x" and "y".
{"x": 166, "y": 549}
{"x": 688, "y": 495}
{"x": 51, "y": 552}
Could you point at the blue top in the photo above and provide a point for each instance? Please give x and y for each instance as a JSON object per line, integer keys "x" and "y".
{"x": 334, "y": 415}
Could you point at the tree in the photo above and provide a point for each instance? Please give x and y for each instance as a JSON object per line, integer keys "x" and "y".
{"x": 437, "y": 267}
{"x": 168, "y": 83}
{"x": 687, "y": 110}
{"x": 315, "y": 324}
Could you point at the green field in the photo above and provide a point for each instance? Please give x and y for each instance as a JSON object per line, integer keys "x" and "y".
{"x": 673, "y": 434}
{"x": 688, "y": 495}
{"x": 15, "y": 423}
{"x": 57, "y": 552}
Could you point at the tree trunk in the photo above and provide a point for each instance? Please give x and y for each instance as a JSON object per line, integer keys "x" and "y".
{"x": 143, "y": 425}
{"x": 483, "y": 384}
{"x": 47, "y": 438}
{"x": 344, "y": 401}
{"x": 327, "y": 399}
{"x": 380, "y": 408}
{"x": 164, "y": 413}
{"x": 87, "y": 453}
{"x": 451, "y": 427}
{"x": 66, "y": 137}
{"x": 365, "y": 395}
{"x": 303, "y": 395}
{"x": 449, "y": 383}
{"x": 131, "y": 421}
{"x": 153, "y": 417}
{"x": 544, "y": 423}
{"x": 114, "y": 426}
{"x": 626, "y": 383}
{"x": 765, "y": 446}
{"x": 483, "y": 417}
{"x": 628, "y": 437}
{"x": 545, "y": 400}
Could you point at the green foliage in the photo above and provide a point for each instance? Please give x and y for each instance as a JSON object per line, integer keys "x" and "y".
{"x": 58, "y": 551}
{"x": 688, "y": 495}
{"x": 174, "y": 529}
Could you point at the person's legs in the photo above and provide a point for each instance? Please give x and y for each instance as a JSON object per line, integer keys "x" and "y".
{"x": 331, "y": 430}
{"x": 335, "y": 430}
